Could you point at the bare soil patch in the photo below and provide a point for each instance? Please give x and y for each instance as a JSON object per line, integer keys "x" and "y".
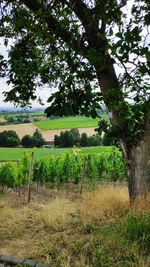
{"x": 20, "y": 129}
{"x": 49, "y": 135}
{"x": 2, "y": 120}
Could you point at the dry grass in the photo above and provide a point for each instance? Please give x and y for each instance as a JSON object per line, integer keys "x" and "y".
{"x": 61, "y": 231}
{"x": 27, "y": 230}
{"x": 105, "y": 203}
{"x": 57, "y": 214}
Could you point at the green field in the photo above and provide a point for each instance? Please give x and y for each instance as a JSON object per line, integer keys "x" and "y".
{"x": 68, "y": 122}
{"x": 16, "y": 153}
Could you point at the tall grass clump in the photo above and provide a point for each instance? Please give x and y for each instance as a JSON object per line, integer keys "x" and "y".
{"x": 137, "y": 229}
{"x": 107, "y": 202}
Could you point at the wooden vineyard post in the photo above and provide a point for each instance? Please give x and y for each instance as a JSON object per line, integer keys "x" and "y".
{"x": 83, "y": 174}
{"x": 19, "y": 184}
{"x": 30, "y": 176}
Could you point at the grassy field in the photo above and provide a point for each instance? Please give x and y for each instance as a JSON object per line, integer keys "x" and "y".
{"x": 68, "y": 122}
{"x": 16, "y": 153}
{"x": 95, "y": 229}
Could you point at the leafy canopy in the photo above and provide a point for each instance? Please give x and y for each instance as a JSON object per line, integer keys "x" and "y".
{"x": 69, "y": 45}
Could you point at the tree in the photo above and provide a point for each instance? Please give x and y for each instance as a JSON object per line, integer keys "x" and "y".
{"x": 66, "y": 139}
{"x": 56, "y": 140}
{"x": 94, "y": 140}
{"x": 9, "y": 139}
{"x": 37, "y": 139}
{"x": 27, "y": 141}
{"x": 84, "y": 140}
{"x": 76, "y": 136}
{"x": 108, "y": 139}
{"x": 76, "y": 44}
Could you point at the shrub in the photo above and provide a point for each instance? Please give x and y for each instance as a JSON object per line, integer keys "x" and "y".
{"x": 8, "y": 174}
{"x": 27, "y": 141}
{"x": 9, "y": 139}
{"x": 94, "y": 140}
{"x": 56, "y": 140}
{"x": 68, "y": 138}
{"x": 38, "y": 139}
{"x": 84, "y": 140}
{"x": 109, "y": 139}
{"x": 33, "y": 141}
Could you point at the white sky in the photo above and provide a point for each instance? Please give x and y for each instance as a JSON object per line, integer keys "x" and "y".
{"x": 44, "y": 93}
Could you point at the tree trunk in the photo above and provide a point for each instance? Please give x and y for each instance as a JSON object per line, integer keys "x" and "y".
{"x": 138, "y": 166}
{"x": 136, "y": 156}
{"x": 138, "y": 171}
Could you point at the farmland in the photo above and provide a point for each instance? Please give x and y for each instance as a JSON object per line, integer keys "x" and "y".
{"x": 70, "y": 221}
{"x": 40, "y": 153}
{"x": 68, "y": 122}
{"x": 51, "y": 127}
{"x": 20, "y": 129}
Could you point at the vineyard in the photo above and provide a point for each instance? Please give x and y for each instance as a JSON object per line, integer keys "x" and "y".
{"x": 72, "y": 167}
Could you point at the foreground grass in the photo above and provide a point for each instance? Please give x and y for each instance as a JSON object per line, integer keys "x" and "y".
{"x": 16, "y": 153}
{"x": 69, "y": 122}
{"x": 92, "y": 230}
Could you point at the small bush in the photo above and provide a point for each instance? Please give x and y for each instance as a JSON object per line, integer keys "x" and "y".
{"x": 33, "y": 141}
{"x": 9, "y": 139}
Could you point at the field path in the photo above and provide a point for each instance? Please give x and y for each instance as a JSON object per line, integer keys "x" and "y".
{"x": 29, "y": 128}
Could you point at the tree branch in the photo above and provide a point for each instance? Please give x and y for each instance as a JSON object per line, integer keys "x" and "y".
{"x": 54, "y": 25}
{"x": 81, "y": 11}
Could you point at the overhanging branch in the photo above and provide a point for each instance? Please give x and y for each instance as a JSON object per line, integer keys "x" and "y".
{"x": 55, "y": 26}
{"x": 81, "y": 11}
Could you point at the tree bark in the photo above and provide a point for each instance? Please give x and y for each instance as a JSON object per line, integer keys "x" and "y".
{"x": 138, "y": 166}
{"x": 137, "y": 156}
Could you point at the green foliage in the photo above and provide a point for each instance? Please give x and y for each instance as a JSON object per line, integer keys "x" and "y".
{"x": 9, "y": 139}
{"x": 33, "y": 141}
{"x": 68, "y": 138}
{"x": 65, "y": 168}
{"x": 8, "y": 174}
{"x": 27, "y": 141}
{"x": 68, "y": 168}
{"x": 72, "y": 137}
{"x": 52, "y": 49}
{"x": 137, "y": 229}
{"x": 37, "y": 139}
{"x": 56, "y": 140}
{"x": 94, "y": 140}
{"x": 84, "y": 140}
{"x": 23, "y": 169}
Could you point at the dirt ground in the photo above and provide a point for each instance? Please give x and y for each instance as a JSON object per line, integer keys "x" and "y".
{"x": 29, "y": 128}
{"x": 2, "y": 120}
{"x": 20, "y": 129}
{"x": 49, "y": 135}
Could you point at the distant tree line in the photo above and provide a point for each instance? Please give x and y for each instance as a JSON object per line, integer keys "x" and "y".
{"x": 67, "y": 138}
{"x": 11, "y": 139}
{"x": 72, "y": 137}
